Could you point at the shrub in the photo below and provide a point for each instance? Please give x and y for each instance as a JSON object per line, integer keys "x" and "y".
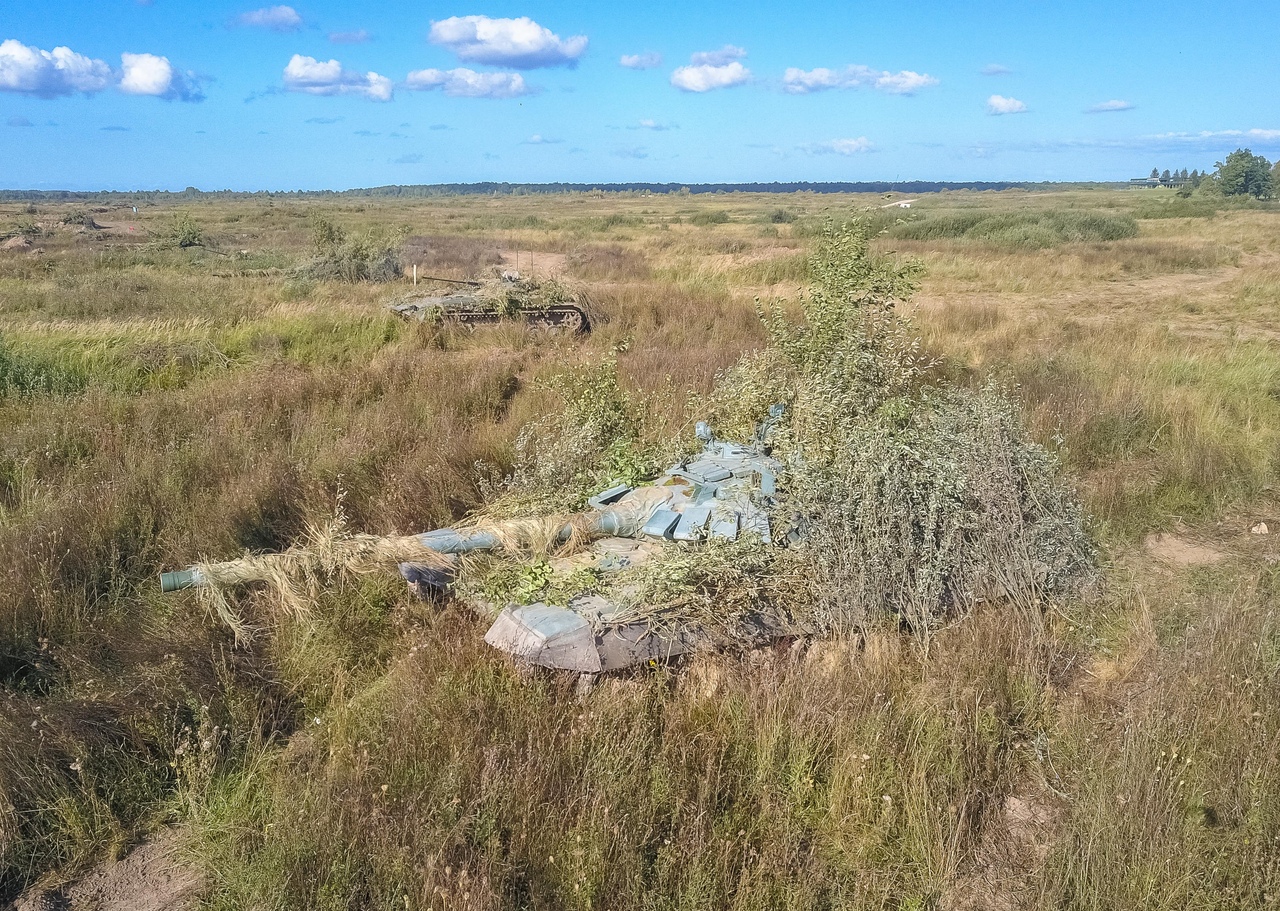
{"x": 918, "y": 499}
{"x": 183, "y": 232}
{"x": 710, "y": 218}
{"x": 372, "y": 256}
{"x": 79, "y": 218}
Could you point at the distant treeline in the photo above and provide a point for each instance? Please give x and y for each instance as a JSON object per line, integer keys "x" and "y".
{"x": 489, "y": 188}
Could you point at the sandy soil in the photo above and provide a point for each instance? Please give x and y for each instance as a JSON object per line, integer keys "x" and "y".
{"x": 148, "y": 878}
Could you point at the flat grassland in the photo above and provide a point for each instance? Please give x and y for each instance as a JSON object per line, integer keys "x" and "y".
{"x": 160, "y": 404}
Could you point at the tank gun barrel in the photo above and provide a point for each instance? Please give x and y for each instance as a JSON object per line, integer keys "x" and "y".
{"x": 453, "y": 281}
{"x": 442, "y": 541}
{"x": 183, "y": 578}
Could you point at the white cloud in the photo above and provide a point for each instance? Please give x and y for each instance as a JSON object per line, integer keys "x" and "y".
{"x": 645, "y": 61}
{"x": 48, "y": 74}
{"x": 1114, "y": 105}
{"x": 906, "y": 82}
{"x": 148, "y": 74}
{"x": 725, "y": 55}
{"x": 537, "y": 139}
{"x": 712, "y": 70}
{"x": 706, "y": 77}
{"x": 650, "y": 124}
{"x": 359, "y": 36}
{"x": 521, "y": 43}
{"x": 995, "y": 69}
{"x": 275, "y": 18}
{"x": 998, "y": 104}
{"x": 465, "y": 83}
{"x": 840, "y": 146}
{"x": 1211, "y": 135}
{"x": 309, "y": 75}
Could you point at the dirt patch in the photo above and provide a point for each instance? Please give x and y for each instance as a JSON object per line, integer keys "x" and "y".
{"x": 527, "y": 263}
{"x": 122, "y": 229}
{"x": 1009, "y": 855}
{"x": 451, "y": 257}
{"x": 17, "y": 244}
{"x": 1179, "y": 551}
{"x": 148, "y": 878}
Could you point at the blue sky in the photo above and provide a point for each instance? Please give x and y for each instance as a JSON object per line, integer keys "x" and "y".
{"x": 127, "y": 94}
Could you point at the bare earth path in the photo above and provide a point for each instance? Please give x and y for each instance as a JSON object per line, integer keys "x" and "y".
{"x": 151, "y": 877}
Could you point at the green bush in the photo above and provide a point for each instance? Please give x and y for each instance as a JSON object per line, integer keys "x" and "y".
{"x": 78, "y": 218}
{"x": 920, "y": 499}
{"x": 710, "y": 218}
{"x": 183, "y": 232}
{"x": 371, "y": 256}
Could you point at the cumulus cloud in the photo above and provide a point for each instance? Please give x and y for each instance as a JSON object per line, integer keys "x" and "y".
{"x": 704, "y": 78}
{"x": 658, "y": 126}
{"x": 998, "y": 104}
{"x": 1113, "y": 105}
{"x": 537, "y": 139}
{"x": 840, "y": 146}
{"x": 995, "y": 69}
{"x": 359, "y": 36}
{"x": 464, "y": 83}
{"x": 709, "y": 70}
{"x": 645, "y": 61}
{"x": 275, "y": 18}
{"x": 521, "y": 43}
{"x": 48, "y": 74}
{"x": 906, "y": 82}
{"x": 313, "y": 77}
{"x": 148, "y": 74}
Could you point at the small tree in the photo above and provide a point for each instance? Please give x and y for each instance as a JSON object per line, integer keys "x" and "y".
{"x": 1155, "y": 173}
{"x": 1165, "y": 175}
{"x": 183, "y": 232}
{"x": 1244, "y": 173}
{"x": 1183, "y": 175}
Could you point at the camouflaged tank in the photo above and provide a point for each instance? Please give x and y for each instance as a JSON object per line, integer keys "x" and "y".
{"x": 723, "y": 493}
{"x": 546, "y": 305}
